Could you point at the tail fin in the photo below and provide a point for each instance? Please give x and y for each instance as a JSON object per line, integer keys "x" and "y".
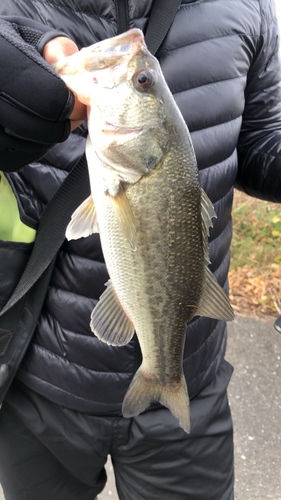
{"x": 144, "y": 390}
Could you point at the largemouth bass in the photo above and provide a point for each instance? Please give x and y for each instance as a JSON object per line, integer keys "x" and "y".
{"x": 151, "y": 212}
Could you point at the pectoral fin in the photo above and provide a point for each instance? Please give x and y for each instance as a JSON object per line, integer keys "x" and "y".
{"x": 83, "y": 221}
{"x": 109, "y": 321}
{"x": 214, "y": 302}
{"x": 124, "y": 216}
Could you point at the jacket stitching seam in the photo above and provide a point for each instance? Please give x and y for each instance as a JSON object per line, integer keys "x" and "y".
{"x": 87, "y": 12}
{"x": 217, "y": 37}
{"x": 226, "y": 122}
{"x": 210, "y": 83}
{"x": 59, "y": 289}
{"x": 81, "y": 366}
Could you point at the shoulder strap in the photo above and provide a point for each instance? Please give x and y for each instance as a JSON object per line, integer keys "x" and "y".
{"x": 161, "y": 18}
{"x": 51, "y": 229}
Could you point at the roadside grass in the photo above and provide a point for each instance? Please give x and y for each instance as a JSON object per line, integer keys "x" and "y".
{"x": 257, "y": 232}
{"x": 255, "y": 273}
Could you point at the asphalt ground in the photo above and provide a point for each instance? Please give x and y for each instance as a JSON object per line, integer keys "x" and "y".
{"x": 254, "y": 349}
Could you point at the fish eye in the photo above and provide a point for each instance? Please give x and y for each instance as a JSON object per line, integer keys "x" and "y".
{"x": 143, "y": 79}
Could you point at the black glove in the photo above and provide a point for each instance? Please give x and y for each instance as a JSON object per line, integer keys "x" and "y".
{"x": 34, "y": 102}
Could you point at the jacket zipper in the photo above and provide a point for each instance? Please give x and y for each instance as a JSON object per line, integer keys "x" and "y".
{"x": 122, "y": 16}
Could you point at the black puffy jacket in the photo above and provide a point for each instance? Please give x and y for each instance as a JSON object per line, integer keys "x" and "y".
{"x": 220, "y": 61}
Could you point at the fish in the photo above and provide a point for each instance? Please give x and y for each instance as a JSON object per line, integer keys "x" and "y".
{"x": 152, "y": 215}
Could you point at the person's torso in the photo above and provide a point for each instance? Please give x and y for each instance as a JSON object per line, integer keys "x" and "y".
{"x": 205, "y": 59}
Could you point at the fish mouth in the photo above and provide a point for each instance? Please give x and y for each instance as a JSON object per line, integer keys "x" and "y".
{"x": 107, "y": 53}
{"x": 128, "y": 43}
{"x": 113, "y": 129}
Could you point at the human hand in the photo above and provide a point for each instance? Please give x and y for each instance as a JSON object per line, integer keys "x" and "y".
{"x": 59, "y": 48}
{"x": 35, "y": 104}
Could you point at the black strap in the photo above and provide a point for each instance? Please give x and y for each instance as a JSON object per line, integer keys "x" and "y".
{"x": 51, "y": 230}
{"x": 160, "y": 20}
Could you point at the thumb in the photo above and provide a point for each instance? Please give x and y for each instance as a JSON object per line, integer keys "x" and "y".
{"x": 58, "y": 48}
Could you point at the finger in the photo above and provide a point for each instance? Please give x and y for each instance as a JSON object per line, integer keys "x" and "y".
{"x": 56, "y": 49}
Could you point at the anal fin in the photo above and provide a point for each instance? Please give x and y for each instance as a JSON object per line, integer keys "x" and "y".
{"x": 109, "y": 321}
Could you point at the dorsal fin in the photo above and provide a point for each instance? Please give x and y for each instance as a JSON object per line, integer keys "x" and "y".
{"x": 207, "y": 213}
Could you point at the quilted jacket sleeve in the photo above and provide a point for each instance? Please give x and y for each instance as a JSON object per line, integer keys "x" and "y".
{"x": 259, "y": 148}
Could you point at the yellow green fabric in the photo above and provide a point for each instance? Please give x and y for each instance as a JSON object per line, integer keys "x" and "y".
{"x": 11, "y": 227}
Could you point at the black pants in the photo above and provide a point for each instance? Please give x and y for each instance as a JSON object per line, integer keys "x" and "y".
{"x": 52, "y": 453}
